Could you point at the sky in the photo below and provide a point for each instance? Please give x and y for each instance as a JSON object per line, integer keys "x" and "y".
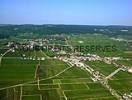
{"x": 77, "y": 12}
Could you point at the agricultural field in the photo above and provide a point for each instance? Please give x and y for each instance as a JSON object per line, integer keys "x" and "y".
{"x": 100, "y": 40}
{"x": 46, "y": 75}
{"x": 3, "y": 50}
{"x": 15, "y": 71}
{"x": 102, "y": 67}
{"x": 121, "y": 82}
{"x": 57, "y": 81}
{"x": 65, "y": 50}
{"x": 125, "y": 62}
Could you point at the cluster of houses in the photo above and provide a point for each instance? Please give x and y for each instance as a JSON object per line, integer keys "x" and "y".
{"x": 33, "y": 58}
{"x": 124, "y": 68}
{"x": 74, "y": 60}
{"x": 109, "y": 60}
{"x": 35, "y": 44}
{"x": 127, "y": 96}
{"x": 78, "y": 61}
{"x": 30, "y": 44}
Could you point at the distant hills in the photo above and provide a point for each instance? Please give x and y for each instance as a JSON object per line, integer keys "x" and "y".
{"x": 7, "y": 30}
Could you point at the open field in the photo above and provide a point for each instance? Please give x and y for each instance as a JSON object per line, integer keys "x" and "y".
{"x": 66, "y": 85}
{"x": 100, "y": 40}
{"x": 14, "y": 71}
{"x": 121, "y": 82}
{"x": 102, "y": 67}
{"x": 45, "y": 75}
{"x": 125, "y": 62}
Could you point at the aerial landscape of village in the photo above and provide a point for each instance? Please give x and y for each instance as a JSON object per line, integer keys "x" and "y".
{"x": 66, "y": 66}
{"x": 65, "y": 50}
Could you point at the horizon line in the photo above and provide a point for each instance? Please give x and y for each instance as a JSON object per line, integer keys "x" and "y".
{"x": 72, "y": 24}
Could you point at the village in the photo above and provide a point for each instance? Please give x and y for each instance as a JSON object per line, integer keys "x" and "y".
{"x": 75, "y": 59}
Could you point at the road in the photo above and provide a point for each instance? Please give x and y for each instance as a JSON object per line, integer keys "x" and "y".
{"x": 104, "y": 81}
{"x": 4, "y": 55}
{"x": 37, "y": 80}
{"x": 44, "y": 54}
{"x": 113, "y": 73}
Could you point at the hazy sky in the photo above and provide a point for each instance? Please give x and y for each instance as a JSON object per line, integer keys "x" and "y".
{"x": 90, "y": 12}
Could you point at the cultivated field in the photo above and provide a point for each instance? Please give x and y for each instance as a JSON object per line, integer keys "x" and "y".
{"x": 55, "y": 80}
{"x": 39, "y": 75}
